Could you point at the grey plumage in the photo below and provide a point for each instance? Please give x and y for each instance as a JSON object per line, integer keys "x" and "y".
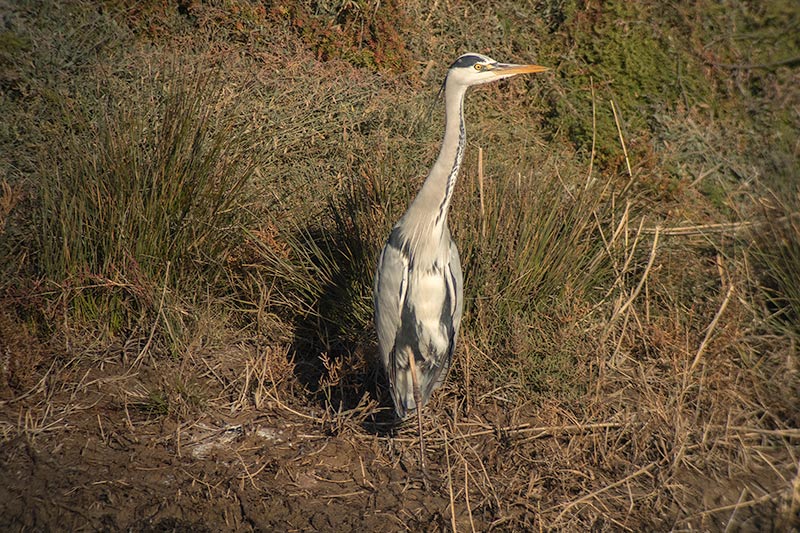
{"x": 421, "y": 312}
{"x": 418, "y": 293}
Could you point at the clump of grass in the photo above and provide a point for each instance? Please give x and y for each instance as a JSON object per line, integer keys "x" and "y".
{"x": 531, "y": 260}
{"x": 319, "y": 277}
{"x": 141, "y": 202}
{"x": 777, "y": 254}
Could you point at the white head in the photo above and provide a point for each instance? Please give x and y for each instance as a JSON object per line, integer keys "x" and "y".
{"x": 477, "y": 69}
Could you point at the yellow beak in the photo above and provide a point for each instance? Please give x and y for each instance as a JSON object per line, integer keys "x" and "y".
{"x": 509, "y": 69}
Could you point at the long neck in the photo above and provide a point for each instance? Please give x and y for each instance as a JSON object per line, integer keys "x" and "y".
{"x": 438, "y": 187}
{"x": 427, "y": 215}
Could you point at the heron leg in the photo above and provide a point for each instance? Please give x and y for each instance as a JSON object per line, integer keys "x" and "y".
{"x": 417, "y": 400}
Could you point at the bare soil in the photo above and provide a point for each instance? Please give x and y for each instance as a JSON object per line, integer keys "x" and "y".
{"x": 83, "y": 451}
{"x": 94, "y": 462}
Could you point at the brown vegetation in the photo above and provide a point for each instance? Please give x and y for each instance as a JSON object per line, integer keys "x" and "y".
{"x": 192, "y": 200}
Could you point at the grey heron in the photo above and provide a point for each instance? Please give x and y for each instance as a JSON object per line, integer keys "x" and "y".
{"x": 418, "y": 292}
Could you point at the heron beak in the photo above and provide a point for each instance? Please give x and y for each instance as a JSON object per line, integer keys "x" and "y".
{"x": 506, "y": 69}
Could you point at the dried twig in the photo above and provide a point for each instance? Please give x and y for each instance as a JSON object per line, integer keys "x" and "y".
{"x": 594, "y": 135}
{"x": 480, "y": 191}
{"x": 711, "y": 327}
{"x": 621, "y": 139}
{"x": 638, "y": 288}
{"x": 596, "y": 493}
{"x": 155, "y": 321}
{"x": 450, "y": 486}
{"x": 722, "y": 227}
{"x": 466, "y": 494}
{"x": 542, "y": 431}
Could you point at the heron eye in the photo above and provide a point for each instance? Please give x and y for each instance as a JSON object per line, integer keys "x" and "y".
{"x": 478, "y": 66}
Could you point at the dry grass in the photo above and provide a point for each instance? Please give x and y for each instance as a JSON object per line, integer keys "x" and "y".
{"x": 629, "y": 357}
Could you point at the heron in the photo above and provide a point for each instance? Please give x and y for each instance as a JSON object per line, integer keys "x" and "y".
{"x": 418, "y": 291}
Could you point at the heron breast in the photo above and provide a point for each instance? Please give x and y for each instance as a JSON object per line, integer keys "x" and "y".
{"x": 427, "y": 296}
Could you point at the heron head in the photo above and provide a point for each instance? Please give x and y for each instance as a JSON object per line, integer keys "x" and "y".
{"x": 477, "y": 69}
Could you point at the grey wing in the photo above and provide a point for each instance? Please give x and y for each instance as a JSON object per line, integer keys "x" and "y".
{"x": 391, "y": 284}
{"x": 458, "y": 291}
{"x": 454, "y": 280}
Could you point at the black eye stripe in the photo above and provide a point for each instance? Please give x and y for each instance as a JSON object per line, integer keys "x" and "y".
{"x": 466, "y": 61}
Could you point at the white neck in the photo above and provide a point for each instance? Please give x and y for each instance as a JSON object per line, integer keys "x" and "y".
{"x": 426, "y": 217}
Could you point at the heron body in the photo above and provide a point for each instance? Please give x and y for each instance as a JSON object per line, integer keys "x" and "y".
{"x": 418, "y": 293}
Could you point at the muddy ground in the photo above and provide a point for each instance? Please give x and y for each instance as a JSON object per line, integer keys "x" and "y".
{"x": 93, "y": 456}
{"x": 92, "y": 459}
{"x": 105, "y": 465}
